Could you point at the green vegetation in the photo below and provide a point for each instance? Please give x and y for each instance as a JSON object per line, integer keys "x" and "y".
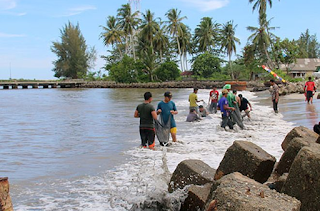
{"x": 144, "y": 48}
{"x": 74, "y": 57}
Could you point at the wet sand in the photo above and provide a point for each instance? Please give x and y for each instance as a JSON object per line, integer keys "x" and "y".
{"x": 294, "y": 108}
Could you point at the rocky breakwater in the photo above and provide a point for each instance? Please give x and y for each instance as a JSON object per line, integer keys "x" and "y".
{"x": 290, "y": 87}
{"x": 248, "y": 178}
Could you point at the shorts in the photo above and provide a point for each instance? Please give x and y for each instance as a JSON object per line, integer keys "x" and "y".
{"x": 173, "y": 130}
{"x": 147, "y": 136}
{"x": 309, "y": 95}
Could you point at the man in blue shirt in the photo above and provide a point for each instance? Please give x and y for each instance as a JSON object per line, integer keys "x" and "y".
{"x": 225, "y": 108}
{"x": 167, "y": 108}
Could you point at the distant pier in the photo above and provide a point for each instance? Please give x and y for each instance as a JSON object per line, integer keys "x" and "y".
{"x": 41, "y": 84}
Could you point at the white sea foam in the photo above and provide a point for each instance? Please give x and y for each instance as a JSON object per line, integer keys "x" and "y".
{"x": 144, "y": 177}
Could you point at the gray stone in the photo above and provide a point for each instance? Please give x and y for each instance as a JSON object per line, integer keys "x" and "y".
{"x": 197, "y": 197}
{"x": 303, "y": 180}
{"x": 299, "y": 132}
{"x": 235, "y": 192}
{"x": 247, "y": 158}
{"x": 288, "y": 156}
{"x": 191, "y": 172}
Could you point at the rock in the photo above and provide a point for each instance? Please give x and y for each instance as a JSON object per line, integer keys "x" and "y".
{"x": 5, "y": 199}
{"x": 301, "y": 132}
{"x": 247, "y": 158}
{"x": 276, "y": 182}
{"x": 303, "y": 180}
{"x": 197, "y": 197}
{"x": 235, "y": 192}
{"x": 288, "y": 156}
{"x": 191, "y": 172}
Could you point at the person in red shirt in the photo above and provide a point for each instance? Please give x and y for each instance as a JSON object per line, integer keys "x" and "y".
{"x": 309, "y": 89}
{"x": 213, "y": 100}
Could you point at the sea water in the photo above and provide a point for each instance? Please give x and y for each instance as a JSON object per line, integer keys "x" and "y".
{"x": 78, "y": 149}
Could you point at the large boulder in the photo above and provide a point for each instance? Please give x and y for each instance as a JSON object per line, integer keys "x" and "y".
{"x": 5, "y": 199}
{"x": 197, "y": 197}
{"x": 236, "y": 192}
{"x": 303, "y": 180}
{"x": 191, "y": 172}
{"x": 299, "y": 132}
{"x": 288, "y": 156}
{"x": 247, "y": 158}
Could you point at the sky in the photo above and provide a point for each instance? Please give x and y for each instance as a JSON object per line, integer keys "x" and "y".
{"x": 28, "y": 27}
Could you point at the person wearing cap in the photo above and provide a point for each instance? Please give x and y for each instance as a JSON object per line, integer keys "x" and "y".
{"x": 274, "y": 95}
{"x": 147, "y": 114}
{"x": 213, "y": 100}
{"x": 193, "y": 99}
{"x": 224, "y": 107}
{"x": 245, "y": 106}
{"x": 167, "y": 109}
{"x": 202, "y": 111}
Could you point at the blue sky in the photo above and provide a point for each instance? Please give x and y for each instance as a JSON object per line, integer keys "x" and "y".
{"x": 28, "y": 27}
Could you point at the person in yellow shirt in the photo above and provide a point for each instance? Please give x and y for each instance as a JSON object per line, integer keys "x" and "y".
{"x": 193, "y": 99}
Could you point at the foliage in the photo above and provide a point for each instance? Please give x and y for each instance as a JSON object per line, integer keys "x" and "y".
{"x": 74, "y": 56}
{"x": 167, "y": 71}
{"x": 308, "y": 46}
{"x": 206, "y": 65}
{"x": 123, "y": 71}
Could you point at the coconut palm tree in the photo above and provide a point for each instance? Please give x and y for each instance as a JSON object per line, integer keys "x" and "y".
{"x": 112, "y": 35}
{"x": 261, "y": 5}
{"x": 161, "y": 40}
{"x": 228, "y": 43}
{"x": 206, "y": 34}
{"x": 149, "y": 28}
{"x": 128, "y": 22}
{"x": 262, "y": 38}
{"x": 175, "y": 27}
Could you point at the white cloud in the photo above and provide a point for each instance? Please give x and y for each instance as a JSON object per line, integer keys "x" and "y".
{"x": 79, "y": 10}
{"x": 206, "y": 5}
{"x": 7, "y": 4}
{"x": 4, "y": 35}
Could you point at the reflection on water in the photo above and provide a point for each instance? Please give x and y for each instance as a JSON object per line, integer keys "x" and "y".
{"x": 294, "y": 108}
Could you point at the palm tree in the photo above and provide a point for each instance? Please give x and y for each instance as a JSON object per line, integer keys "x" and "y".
{"x": 262, "y": 37}
{"x": 161, "y": 40}
{"x": 262, "y": 6}
{"x": 149, "y": 28}
{"x": 112, "y": 33}
{"x": 128, "y": 22}
{"x": 185, "y": 43}
{"x": 206, "y": 34}
{"x": 175, "y": 27}
{"x": 228, "y": 43}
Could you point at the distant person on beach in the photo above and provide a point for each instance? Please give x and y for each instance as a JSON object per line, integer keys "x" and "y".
{"x": 224, "y": 107}
{"x": 309, "y": 89}
{"x": 245, "y": 104}
{"x": 202, "y": 111}
{"x": 193, "y": 116}
{"x": 167, "y": 109}
{"x": 274, "y": 95}
{"x": 193, "y": 100}
{"x": 147, "y": 114}
{"x": 213, "y": 100}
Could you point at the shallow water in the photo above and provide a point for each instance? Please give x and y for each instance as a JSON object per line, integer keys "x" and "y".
{"x": 77, "y": 149}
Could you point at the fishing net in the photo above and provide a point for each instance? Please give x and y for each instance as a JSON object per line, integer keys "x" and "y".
{"x": 163, "y": 130}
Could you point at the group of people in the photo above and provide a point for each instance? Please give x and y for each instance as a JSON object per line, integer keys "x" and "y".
{"x": 227, "y": 101}
{"x": 148, "y": 115}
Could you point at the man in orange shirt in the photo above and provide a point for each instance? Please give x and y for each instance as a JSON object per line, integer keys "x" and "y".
{"x": 309, "y": 89}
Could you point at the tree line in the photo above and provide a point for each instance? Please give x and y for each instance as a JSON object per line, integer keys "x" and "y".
{"x": 145, "y": 48}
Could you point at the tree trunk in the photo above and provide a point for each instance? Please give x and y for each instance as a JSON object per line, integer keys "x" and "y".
{"x": 132, "y": 48}
{"x": 230, "y": 65}
{"x": 179, "y": 51}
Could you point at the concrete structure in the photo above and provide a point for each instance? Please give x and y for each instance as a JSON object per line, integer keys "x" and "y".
{"x": 42, "y": 84}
